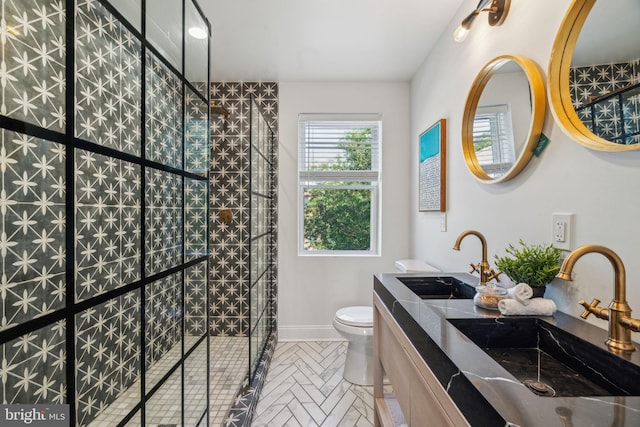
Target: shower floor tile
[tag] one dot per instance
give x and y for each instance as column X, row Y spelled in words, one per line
column 165, row 408
column 229, row 363
column 229, row 367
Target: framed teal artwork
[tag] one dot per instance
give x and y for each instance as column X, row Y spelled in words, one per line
column 432, row 168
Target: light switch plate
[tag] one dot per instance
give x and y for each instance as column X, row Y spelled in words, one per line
column 443, row 221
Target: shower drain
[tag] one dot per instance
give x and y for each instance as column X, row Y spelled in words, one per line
column 540, row 388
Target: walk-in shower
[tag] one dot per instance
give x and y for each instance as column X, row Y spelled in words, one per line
column 104, row 164
column 121, row 295
column 244, row 269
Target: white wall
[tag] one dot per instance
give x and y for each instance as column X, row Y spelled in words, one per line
column 602, row 189
column 311, row 289
column 511, row 89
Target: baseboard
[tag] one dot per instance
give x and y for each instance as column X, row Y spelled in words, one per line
column 309, row 333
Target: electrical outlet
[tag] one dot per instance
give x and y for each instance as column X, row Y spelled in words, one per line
column 443, row 221
column 562, row 230
column 558, row 231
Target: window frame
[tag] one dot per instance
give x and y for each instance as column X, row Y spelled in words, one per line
column 502, row 138
column 317, row 179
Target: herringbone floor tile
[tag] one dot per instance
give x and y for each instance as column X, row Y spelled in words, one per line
column 304, row 387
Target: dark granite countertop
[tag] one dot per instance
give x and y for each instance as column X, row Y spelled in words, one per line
column 486, row 393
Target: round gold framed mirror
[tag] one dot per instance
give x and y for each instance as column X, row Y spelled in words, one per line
column 503, row 118
column 593, row 91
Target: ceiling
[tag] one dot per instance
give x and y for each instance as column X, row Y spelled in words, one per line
column 324, row 40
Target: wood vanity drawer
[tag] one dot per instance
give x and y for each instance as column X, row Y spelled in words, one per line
column 425, row 405
column 422, row 399
column 396, row 365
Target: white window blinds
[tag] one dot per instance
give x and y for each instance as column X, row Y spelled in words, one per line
column 493, row 138
column 339, row 147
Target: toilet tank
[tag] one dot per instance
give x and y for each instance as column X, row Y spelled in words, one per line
column 414, row 266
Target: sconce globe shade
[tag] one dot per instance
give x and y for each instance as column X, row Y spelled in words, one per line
column 460, row 34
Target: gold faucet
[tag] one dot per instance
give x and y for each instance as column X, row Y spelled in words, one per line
column 619, row 313
column 486, row 272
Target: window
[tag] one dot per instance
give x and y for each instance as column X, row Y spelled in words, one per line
column 339, row 184
column 493, row 139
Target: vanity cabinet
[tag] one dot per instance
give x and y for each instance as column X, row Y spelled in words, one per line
column 417, row 397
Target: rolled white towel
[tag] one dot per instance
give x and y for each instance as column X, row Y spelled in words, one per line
column 536, row 307
column 521, row 292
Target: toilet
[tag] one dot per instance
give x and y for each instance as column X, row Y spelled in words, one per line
column 356, row 325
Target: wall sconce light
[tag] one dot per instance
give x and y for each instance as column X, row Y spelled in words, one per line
column 497, row 14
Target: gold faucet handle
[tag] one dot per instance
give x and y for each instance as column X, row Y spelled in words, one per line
column 589, row 307
column 475, row 268
column 593, row 308
column 630, row 323
column 492, row 274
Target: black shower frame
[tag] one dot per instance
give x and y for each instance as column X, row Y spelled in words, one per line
column 269, row 310
column 68, row 139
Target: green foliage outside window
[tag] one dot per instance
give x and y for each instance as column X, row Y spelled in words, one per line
column 340, row 219
column 337, row 219
column 482, row 141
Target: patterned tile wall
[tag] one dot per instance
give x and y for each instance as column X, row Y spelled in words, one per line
column 32, row 60
column 195, row 218
column 163, row 218
column 107, row 224
column 164, row 114
column 195, row 299
column 108, row 80
column 107, row 354
column 229, row 188
column 588, row 82
column 34, row 367
column 33, row 234
column 108, row 200
column 196, row 156
column 163, row 314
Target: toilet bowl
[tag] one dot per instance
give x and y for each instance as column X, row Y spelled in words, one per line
column 356, row 325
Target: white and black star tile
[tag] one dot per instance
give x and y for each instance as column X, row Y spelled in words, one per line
column 163, row 217
column 33, row 217
column 107, row 353
column 107, row 202
column 32, row 60
column 107, row 228
column 229, row 182
column 34, row 367
column 196, row 134
column 107, row 80
column 163, row 121
column 605, row 117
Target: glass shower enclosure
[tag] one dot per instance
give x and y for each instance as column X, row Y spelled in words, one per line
column 262, row 262
column 104, row 134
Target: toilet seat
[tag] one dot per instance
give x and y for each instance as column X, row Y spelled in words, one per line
column 358, row 316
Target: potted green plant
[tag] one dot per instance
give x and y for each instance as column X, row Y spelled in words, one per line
column 535, row 265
